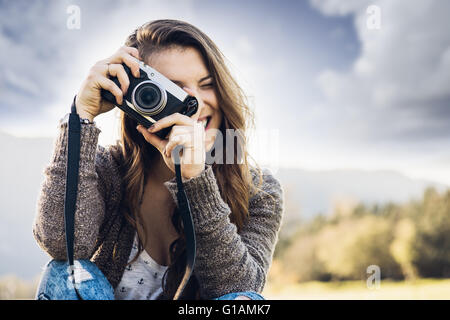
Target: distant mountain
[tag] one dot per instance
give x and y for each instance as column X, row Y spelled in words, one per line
column 22, row 163
column 307, row 193
column 314, row 192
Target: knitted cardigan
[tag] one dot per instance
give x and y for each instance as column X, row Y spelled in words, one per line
column 227, row 260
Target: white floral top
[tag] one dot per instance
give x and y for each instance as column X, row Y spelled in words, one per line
column 142, row 280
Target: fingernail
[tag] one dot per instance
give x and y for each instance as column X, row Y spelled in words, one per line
column 151, row 128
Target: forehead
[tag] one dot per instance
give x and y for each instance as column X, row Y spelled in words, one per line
column 178, row 63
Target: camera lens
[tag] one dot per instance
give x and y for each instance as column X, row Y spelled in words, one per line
column 149, row 98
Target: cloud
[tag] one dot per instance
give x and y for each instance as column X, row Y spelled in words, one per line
column 24, row 57
column 339, row 7
column 398, row 88
column 43, row 62
column 339, row 93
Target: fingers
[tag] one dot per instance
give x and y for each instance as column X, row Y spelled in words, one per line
column 117, row 70
column 127, row 55
column 132, row 64
column 109, row 85
column 186, row 136
column 101, row 71
column 173, row 119
column 132, row 50
column 184, row 140
column 191, row 137
column 153, row 139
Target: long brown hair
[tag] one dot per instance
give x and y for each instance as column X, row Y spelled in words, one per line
column 234, row 180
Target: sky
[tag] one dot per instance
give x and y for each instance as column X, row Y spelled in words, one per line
column 351, row 84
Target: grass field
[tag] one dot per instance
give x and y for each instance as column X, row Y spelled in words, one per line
column 13, row 288
column 356, row 290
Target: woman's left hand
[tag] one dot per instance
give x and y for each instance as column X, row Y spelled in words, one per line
column 186, row 131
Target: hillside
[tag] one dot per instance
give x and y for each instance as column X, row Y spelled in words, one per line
column 307, row 193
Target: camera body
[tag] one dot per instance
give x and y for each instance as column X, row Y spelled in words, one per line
column 152, row 97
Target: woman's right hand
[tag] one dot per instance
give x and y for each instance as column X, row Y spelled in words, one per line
column 89, row 102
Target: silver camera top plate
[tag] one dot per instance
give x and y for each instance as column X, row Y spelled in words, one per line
column 157, row 77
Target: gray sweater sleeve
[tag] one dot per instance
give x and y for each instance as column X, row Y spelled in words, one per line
column 228, row 261
column 48, row 226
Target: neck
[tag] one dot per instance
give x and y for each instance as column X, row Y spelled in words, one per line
column 159, row 172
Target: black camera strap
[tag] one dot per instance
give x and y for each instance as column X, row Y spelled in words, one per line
column 188, row 225
column 72, row 172
column 73, row 163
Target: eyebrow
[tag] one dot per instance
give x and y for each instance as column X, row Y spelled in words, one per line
column 179, row 83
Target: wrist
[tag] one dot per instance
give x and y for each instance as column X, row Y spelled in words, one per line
column 82, row 112
column 191, row 175
column 85, row 115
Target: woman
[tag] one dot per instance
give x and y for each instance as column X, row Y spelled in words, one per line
column 126, row 220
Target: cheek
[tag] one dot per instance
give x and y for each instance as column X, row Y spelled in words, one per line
column 216, row 121
column 212, row 101
column 210, row 97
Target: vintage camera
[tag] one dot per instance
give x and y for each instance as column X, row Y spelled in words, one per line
column 151, row 97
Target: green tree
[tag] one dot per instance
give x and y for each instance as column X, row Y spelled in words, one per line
column 431, row 250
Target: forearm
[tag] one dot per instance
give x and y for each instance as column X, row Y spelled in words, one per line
column 228, row 261
column 48, row 227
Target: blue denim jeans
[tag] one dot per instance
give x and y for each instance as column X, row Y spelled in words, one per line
column 248, row 294
column 91, row 283
column 56, row 285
